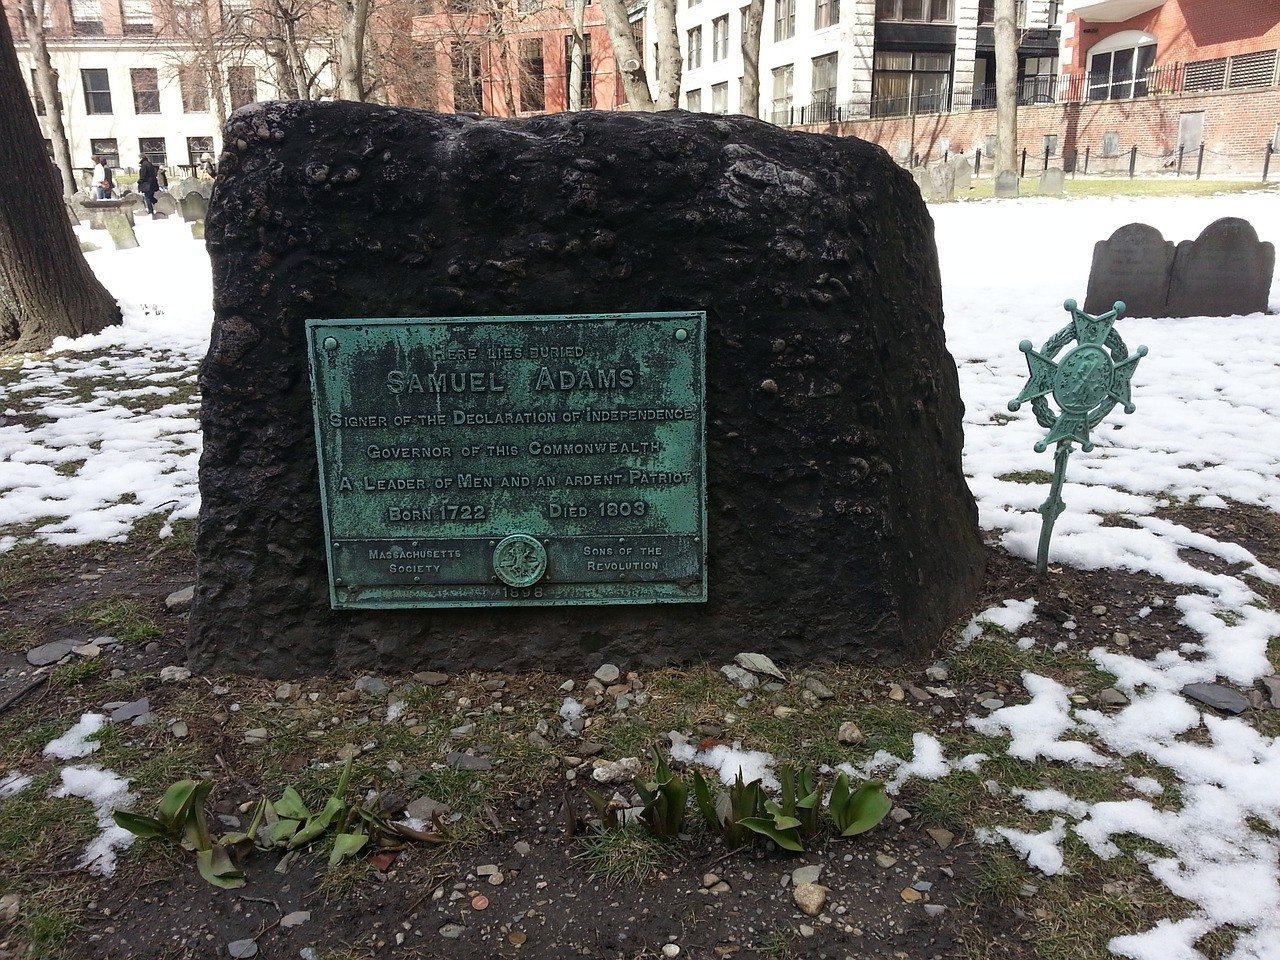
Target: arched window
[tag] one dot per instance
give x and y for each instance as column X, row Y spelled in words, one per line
column 1118, row 65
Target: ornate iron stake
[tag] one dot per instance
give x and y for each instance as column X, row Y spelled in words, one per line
column 1088, row 382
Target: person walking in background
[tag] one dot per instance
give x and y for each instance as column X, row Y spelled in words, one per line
column 207, row 171
column 148, row 184
column 101, row 179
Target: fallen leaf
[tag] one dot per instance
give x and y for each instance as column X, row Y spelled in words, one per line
column 383, row 861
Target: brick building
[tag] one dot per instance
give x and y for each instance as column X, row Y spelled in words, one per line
column 514, row 59
column 1147, row 82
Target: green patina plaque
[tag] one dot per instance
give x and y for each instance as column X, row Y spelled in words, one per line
column 512, row 461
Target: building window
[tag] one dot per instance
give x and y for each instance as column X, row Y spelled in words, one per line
column 1122, row 73
column 146, row 89
column 97, row 91
column 910, row 83
column 693, row 101
column 695, row 48
column 153, row 149
column 1055, row 13
column 533, row 76
column 198, row 147
column 586, row 89
column 784, row 20
column 922, row 11
column 987, row 13
column 720, row 98
column 1050, row 145
column 35, row 93
column 242, row 83
column 783, row 92
column 468, row 86
column 86, row 18
column 824, row 81
column 719, row 38
column 826, row 14
column 1111, row 144
column 194, row 89
column 137, row 18
column 108, row 150
column 237, row 14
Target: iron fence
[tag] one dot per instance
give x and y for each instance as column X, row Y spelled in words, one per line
column 1258, row 69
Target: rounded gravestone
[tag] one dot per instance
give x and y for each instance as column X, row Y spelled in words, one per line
column 839, row 524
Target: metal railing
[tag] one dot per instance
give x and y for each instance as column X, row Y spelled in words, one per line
column 1258, row 69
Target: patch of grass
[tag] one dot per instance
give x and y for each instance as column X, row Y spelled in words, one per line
column 125, row 618
column 76, row 673
column 950, row 802
column 622, row 855
column 69, row 468
column 1027, row 476
column 346, row 878
column 48, row 927
column 778, row 944
column 999, row 876
column 18, row 639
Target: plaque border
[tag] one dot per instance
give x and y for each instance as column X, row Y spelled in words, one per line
column 698, row 595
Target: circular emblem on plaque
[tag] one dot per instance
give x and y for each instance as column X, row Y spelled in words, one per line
column 1083, row 379
column 519, row 560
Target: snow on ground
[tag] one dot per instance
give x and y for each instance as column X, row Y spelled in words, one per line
column 109, row 448
column 1207, row 429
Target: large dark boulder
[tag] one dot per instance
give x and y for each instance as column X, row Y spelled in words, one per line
column 839, row 522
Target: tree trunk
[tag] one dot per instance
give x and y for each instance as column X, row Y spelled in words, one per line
column 752, row 25
column 1006, row 30
column 625, row 53
column 46, row 288
column 669, row 60
column 503, row 45
column 32, row 12
column 355, row 22
column 575, row 56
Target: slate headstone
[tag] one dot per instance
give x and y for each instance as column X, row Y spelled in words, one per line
column 197, row 230
column 183, row 187
column 1133, row 265
column 962, row 169
column 1007, row 184
column 120, row 228
column 98, row 210
column 194, row 207
column 923, row 181
column 1225, row 272
column 457, row 215
column 943, row 179
column 1052, row 182
column 166, row 204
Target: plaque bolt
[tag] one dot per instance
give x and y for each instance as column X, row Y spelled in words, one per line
column 417, row 579
column 337, row 546
column 339, row 582
column 682, row 335
column 331, row 343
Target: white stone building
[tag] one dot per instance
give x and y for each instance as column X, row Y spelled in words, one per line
column 823, row 60
column 129, row 87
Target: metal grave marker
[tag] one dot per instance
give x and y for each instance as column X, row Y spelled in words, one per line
column 512, row 461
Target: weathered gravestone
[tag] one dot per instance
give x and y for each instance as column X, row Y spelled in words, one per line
column 120, row 228
column 1052, row 182
column 838, row 521
column 98, row 210
column 184, row 186
column 166, row 204
column 962, row 170
column 194, row 206
column 1007, row 184
column 197, row 229
column 943, row 180
column 925, row 182
column 1224, row 272
column 1133, row 266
